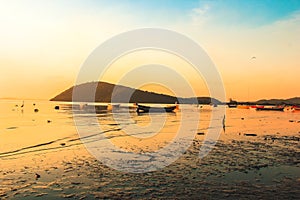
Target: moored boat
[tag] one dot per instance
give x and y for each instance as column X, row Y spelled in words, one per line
column 295, row 109
column 243, row 107
column 232, row 105
column 253, row 107
column 147, row 109
column 270, row 108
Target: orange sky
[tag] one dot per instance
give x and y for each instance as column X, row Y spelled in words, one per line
column 44, row 45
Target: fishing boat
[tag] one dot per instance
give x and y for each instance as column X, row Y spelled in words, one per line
column 295, row 109
column 243, row 106
column 232, row 105
column 270, row 108
column 146, row 109
column 256, row 106
column 253, row 107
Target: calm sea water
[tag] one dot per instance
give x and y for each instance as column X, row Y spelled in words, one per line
column 21, row 127
column 37, row 125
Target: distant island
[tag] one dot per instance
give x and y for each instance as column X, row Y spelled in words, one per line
column 105, row 90
column 290, row 101
column 104, row 94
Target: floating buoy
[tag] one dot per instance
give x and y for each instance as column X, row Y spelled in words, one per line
column 56, row 107
column 36, row 110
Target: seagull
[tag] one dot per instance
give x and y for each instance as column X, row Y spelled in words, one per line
column 253, row 57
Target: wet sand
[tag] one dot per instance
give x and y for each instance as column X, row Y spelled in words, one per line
column 263, row 165
column 237, row 169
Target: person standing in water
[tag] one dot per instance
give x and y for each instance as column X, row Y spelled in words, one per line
column 223, row 122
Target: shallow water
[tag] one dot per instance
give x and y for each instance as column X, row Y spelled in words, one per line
column 265, row 165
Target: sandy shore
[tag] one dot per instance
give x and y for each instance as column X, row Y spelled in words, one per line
column 264, row 168
column 255, row 158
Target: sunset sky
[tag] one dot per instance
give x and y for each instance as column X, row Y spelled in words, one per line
column 44, row 43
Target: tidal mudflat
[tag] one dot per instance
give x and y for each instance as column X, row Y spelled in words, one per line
column 42, row 157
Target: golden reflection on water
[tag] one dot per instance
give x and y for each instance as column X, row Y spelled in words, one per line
column 22, row 128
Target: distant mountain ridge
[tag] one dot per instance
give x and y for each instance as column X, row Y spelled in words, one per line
column 290, row 101
column 123, row 94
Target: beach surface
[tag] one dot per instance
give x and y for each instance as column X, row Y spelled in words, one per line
column 43, row 157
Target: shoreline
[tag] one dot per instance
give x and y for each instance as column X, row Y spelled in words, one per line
column 256, row 157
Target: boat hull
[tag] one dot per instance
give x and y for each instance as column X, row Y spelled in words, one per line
column 243, row 107
column 232, row 105
column 147, row 109
column 270, row 108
